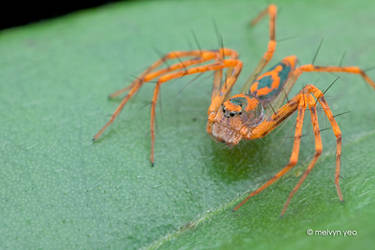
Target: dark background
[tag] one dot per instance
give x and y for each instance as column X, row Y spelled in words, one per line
column 17, row 13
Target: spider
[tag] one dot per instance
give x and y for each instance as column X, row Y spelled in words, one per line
column 248, row 115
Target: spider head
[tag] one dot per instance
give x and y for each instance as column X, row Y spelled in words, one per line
column 235, row 106
column 240, row 105
column 240, row 112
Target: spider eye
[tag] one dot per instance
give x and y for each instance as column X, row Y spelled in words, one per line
column 231, row 114
column 240, row 113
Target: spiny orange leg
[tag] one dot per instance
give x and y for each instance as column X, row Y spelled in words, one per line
column 148, row 75
column 206, row 55
column 216, row 100
column 218, row 76
column 127, row 88
column 318, row 149
column 169, row 56
column 336, row 130
column 348, row 69
column 318, row 142
column 271, row 11
column 305, row 96
column 287, row 109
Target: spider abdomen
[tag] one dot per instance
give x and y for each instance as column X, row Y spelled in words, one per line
column 269, row 85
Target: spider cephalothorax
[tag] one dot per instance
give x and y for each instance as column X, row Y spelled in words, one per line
column 238, row 115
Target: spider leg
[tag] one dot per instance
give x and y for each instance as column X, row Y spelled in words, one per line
column 148, row 75
column 318, row 149
column 226, row 63
column 203, row 54
column 284, row 111
column 271, row 10
column 313, row 68
column 220, row 96
column 169, row 56
column 336, row 130
column 347, row 69
column 305, row 97
column 318, row 142
column 218, row 75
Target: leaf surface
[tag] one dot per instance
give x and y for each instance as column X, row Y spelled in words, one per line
column 59, row 190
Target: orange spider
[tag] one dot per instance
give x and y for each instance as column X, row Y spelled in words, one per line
column 247, row 115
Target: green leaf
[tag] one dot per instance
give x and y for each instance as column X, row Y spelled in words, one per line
column 59, row 190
